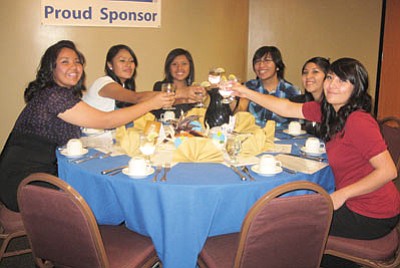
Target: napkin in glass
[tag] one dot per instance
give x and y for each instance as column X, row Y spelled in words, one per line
column 245, row 123
column 128, row 140
column 200, row 112
column 140, row 123
column 260, row 141
column 269, row 131
column 197, row 149
column 254, row 144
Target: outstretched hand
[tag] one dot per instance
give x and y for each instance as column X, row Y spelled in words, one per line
column 162, row 100
column 240, row 90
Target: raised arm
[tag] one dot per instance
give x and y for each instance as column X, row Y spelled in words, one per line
column 84, row 115
column 116, row 91
column 280, row 106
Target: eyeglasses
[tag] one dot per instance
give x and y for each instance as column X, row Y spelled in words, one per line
column 263, row 60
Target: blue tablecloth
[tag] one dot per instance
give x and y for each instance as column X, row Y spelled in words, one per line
column 197, row 201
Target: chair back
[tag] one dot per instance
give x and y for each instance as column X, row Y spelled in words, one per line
column 390, row 128
column 60, row 225
column 281, row 232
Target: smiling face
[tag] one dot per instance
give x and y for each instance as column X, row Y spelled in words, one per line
column 122, row 65
column 337, row 91
column 313, row 79
column 265, row 68
column 180, row 68
column 68, row 68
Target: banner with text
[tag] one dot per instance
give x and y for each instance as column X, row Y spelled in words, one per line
column 116, row 13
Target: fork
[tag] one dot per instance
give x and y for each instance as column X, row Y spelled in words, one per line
column 167, row 167
column 82, row 160
column 158, row 171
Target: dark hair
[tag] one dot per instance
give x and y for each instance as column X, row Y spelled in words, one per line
column 44, row 76
column 276, row 58
column 323, row 64
column 170, row 58
column 129, row 83
column 347, row 69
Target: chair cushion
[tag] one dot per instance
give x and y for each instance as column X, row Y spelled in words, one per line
column 379, row 249
column 125, row 248
column 220, row 251
column 10, row 220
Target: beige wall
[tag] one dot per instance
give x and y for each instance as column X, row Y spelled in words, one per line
column 302, row 29
column 216, row 36
column 206, row 32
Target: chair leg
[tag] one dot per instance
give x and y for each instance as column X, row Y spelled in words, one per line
column 7, row 239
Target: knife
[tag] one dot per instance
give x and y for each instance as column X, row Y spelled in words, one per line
column 315, row 158
column 108, row 171
column 242, row 177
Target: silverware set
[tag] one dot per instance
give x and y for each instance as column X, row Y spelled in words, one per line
column 158, row 171
column 243, row 176
column 167, row 168
column 99, row 155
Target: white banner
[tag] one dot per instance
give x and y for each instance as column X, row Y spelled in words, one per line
column 117, row 13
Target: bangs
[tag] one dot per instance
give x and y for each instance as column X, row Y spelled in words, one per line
column 344, row 71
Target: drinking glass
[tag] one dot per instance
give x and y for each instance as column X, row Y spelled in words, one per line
column 214, row 75
column 233, row 147
column 200, row 95
column 170, row 88
column 147, row 145
column 225, row 90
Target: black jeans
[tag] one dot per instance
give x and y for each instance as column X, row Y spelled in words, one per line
column 346, row 223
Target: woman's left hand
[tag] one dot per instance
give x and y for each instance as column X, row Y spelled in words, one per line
column 338, row 199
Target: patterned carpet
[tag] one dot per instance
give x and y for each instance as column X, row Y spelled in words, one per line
column 21, row 261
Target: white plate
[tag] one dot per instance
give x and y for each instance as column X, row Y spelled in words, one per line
column 65, row 153
column 302, row 132
column 92, row 131
column 321, row 151
column 256, row 169
column 141, row 176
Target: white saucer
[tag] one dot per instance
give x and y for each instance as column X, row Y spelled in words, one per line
column 92, row 131
column 321, row 151
column 65, row 153
column 256, row 169
column 141, row 176
column 302, row 132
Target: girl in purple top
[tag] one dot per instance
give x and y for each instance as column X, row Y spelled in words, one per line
column 54, row 114
column 366, row 202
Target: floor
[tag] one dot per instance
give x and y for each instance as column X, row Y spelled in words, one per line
column 22, row 261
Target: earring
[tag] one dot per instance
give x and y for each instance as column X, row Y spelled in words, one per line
column 277, row 69
column 110, row 68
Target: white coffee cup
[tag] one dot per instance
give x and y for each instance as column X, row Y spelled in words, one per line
column 294, row 127
column 168, row 115
column 268, row 164
column 74, row 147
column 314, row 145
column 138, row 166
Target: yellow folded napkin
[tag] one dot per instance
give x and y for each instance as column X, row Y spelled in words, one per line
column 201, row 112
column 269, row 131
column 198, row 149
column 128, row 140
column 140, row 122
column 260, row 141
column 245, row 122
column 254, row 144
